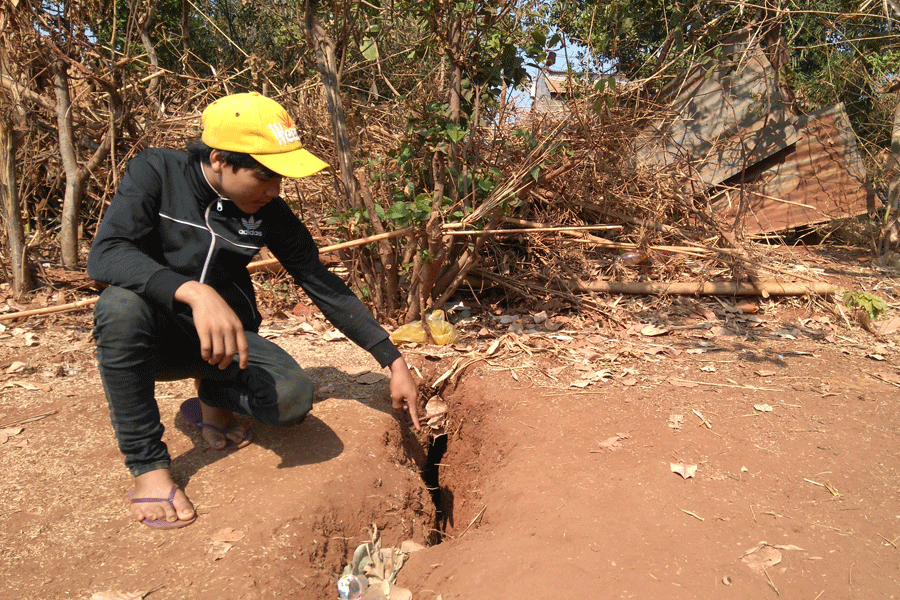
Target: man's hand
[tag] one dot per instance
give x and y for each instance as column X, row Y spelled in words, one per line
column 221, row 331
column 404, row 391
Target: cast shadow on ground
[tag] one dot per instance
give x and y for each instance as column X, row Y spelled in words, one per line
column 371, row 388
column 309, row 442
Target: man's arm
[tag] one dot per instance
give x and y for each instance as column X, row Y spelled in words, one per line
column 123, row 250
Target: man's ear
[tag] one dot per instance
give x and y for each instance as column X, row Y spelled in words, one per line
column 217, row 161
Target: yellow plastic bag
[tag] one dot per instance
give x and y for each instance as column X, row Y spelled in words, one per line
column 411, row 332
column 442, row 331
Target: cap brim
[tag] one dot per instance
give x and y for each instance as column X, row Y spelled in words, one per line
column 297, row 163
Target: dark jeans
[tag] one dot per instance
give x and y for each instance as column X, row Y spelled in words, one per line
column 140, row 342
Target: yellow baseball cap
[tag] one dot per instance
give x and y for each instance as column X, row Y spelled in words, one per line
column 258, row 126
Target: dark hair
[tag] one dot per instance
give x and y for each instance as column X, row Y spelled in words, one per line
column 237, row 160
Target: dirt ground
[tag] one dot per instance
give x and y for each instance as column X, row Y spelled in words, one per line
column 697, row 448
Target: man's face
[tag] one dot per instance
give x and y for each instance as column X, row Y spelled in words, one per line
column 249, row 189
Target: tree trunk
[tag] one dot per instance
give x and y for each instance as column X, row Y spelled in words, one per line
column 454, row 39
column 327, row 66
column 153, row 91
column 891, row 237
column 69, row 221
column 76, row 176
column 21, row 279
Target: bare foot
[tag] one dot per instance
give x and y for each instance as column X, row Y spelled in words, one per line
column 159, row 484
column 217, row 421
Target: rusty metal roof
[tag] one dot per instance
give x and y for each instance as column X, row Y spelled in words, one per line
column 725, row 114
column 818, row 179
column 726, row 124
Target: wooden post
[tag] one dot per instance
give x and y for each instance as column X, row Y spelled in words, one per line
column 22, row 282
column 327, row 66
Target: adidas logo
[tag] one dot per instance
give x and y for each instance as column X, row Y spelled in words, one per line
column 251, row 227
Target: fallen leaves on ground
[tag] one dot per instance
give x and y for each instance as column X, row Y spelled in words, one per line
column 765, row 555
column 9, row 432
column 613, row 443
column 686, row 471
column 119, row 595
column 221, row 542
column 370, row 377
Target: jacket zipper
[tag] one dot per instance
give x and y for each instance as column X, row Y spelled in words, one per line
column 209, row 254
column 212, row 241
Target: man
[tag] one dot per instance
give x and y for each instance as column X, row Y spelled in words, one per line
column 173, row 247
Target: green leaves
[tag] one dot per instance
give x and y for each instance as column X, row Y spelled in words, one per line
column 369, row 49
column 873, row 305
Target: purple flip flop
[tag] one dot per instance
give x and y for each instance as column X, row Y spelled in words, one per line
column 162, row 523
column 191, row 411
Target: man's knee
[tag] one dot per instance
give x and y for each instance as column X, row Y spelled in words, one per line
column 120, row 311
column 295, row 398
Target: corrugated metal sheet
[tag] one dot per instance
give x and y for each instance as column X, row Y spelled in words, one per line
column 818, row 179
column 548, row 93
column 725, row 116
column 728, row 124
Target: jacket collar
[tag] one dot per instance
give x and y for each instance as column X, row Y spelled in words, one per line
column 200, row 186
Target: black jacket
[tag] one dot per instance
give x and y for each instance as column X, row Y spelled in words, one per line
column 166, row 226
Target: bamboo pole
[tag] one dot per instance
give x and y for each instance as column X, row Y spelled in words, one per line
column 49, row 310
column 708, row 288
column 252, row 267
column 534, row 230
column 261, row 265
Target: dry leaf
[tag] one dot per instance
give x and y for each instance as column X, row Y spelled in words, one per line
column 628, row 381
column 888, row 326
column 119, row 595
column 375, row 592
column 655, row 350
column 683, row 383
column 228, row 534
column 653, row 330
column 217, row 550
column 370, row 377
column 582, row 383
column 761, row 559
column 409, row 546
column 604, row 375
column 696, row 350
column 9, row 432
column 765, row 555
column 613, row 442
column 333, row 335
column 399, row 593
column 763, row 407
column 763, row 373
column 28, row 385
column 708, row 369
column 435, row 407
column 686, row 471
column 875, row 357
column 16, row 367
column 675, row 421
